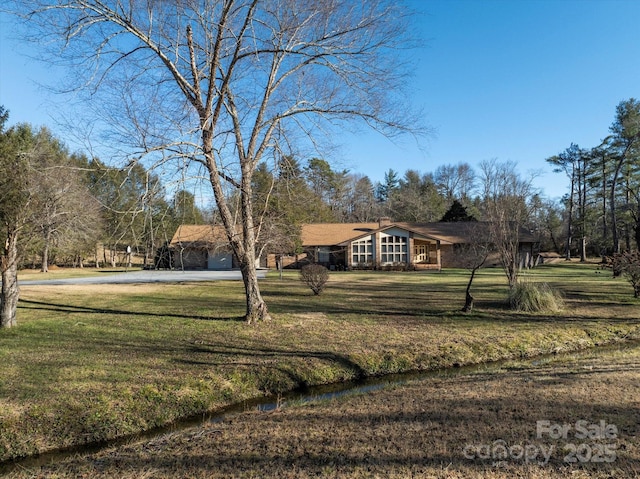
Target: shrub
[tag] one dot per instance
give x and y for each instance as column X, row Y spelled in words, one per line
column 315, row 276
column 628, row 263
column 534, row 297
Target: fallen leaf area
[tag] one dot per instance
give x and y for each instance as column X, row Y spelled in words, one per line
column 574, row 416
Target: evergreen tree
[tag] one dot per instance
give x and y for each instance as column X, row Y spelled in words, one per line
column 457, row 212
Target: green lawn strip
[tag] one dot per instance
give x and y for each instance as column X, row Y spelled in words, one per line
column 92, row 363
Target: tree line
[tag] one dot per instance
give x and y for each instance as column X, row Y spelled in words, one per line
column 56, row 206
column 600, row 215
column 71, row 202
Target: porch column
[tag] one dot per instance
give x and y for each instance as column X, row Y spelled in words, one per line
column 438, row 256
column 410, row 252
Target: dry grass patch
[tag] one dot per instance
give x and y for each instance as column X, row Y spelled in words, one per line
column 93, row 363
column 432, row 428
column 60, row 273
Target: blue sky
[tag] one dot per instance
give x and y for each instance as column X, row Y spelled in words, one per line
column 515, row 80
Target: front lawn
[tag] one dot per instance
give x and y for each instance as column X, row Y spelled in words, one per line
column 91, row 363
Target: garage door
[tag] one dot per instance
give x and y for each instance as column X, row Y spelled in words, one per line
column 220, row 261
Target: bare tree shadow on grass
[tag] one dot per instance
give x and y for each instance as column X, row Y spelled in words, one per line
column 68, row 308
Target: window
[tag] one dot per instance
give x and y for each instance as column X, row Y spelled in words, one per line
column 324, row 254
column 393, row 249
column 362, row 251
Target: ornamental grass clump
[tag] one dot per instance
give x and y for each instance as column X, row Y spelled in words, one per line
column 532, row 297
column 315, row 276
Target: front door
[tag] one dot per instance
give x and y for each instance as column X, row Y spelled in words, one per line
column 420, row 253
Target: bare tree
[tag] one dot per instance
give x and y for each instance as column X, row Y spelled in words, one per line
column 473, row 256
column 506, row 198
column 17, row 147
column 64, row 210
column 455, row 181
column 233, row 79
column 362, row 203
column 628, row 263
column 78, row 240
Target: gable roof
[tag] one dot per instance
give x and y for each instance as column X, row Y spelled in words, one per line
column 198, row 235
column 332, row 234
column 456, row 232
column 329, row 234
column 403, row 226
column 460, row 232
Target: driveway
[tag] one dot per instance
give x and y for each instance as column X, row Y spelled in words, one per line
column 147, row 277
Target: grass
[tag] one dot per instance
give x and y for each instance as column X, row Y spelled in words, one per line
column 471, row 426
column 534, row 297
column 92, row 363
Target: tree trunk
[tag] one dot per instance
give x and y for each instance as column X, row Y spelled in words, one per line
column 612, row 201
column 10, row 290
column 605, row 231
column 513, row 276
column 636, row 228
column 468, row 304
column 256, row 307
column 243, row 246
column 570, row 221
column 627, row 207
column 582, row 208
column 583, row 249
column 45, row 253
column 554, row 240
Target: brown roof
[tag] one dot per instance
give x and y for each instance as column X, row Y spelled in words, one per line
column 199, row 235
column 420, row 234
column 328, row 234
column 459, row 232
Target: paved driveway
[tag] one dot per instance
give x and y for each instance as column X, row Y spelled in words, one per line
column 147, row 277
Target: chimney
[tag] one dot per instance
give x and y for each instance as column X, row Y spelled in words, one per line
column 384, row 221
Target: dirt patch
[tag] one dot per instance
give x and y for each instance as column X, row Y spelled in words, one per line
column 112, row 290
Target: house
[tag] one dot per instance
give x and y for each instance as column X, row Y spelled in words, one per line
column 375, row 245
column 201, row 247
column 389, row 245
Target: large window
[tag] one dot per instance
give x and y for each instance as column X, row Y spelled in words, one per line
column 362, row 252
column 393, row 249
column 324, row 254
